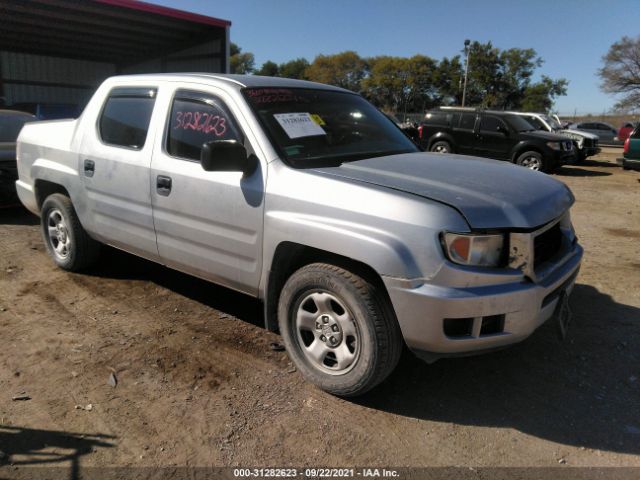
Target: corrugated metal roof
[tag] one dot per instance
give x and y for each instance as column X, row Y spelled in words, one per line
column 122, row 32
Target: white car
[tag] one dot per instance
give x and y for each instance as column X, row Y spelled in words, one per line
column 586, row 144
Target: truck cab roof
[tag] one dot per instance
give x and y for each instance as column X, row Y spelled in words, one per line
column 234, row 80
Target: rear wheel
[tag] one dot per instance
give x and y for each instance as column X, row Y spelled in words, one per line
column 338, row 329
column 533, row 161
column 441, row 147
column 67, row 242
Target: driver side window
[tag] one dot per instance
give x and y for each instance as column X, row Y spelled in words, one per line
column 197, row 118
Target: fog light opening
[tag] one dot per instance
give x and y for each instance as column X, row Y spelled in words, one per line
column 458, row 327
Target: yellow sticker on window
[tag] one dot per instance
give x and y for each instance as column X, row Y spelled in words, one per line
column 317, row 118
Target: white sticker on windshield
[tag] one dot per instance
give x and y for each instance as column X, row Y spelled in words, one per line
column 298, row 125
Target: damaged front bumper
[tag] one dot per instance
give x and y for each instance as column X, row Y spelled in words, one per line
column 443, row 321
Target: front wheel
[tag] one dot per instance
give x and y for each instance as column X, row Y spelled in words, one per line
column 532, row 161
column 441, row 147
column 338, row 329
column 67, row 242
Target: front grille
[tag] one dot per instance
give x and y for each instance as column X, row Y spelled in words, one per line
column 547, row 245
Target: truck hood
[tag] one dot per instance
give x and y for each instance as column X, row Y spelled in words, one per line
column 488, row 193
column 580, row 133
column 541, row 135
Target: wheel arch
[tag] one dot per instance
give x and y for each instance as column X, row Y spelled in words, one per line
column 527, row 147
column 44, row 188
column 442, row 137
column 290, row 256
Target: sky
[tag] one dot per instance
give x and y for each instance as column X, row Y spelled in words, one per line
column 571, row 36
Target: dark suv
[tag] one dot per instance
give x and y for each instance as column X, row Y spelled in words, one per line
column 494, row 134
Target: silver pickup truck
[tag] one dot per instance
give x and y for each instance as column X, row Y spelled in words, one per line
column 308, row 198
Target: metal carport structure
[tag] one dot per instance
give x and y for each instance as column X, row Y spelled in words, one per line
column 58, row 51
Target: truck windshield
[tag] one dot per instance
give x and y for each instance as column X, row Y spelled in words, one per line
column 519, row 124
column 536, row 122
column 552, row 122
column 321, row 127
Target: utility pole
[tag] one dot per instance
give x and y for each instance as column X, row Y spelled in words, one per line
column 467, row 51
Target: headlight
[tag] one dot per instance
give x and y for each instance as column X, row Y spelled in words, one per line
column 554, row 145
column 475, row 250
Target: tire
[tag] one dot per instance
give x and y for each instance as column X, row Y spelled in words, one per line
column 339, row 329
column 67, row 242
column 441, row 147
column 533, row 161
column 581, row 157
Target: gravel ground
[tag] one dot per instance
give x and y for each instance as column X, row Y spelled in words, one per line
column 197, row 384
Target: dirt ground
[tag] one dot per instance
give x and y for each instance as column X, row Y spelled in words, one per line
column 198, row 384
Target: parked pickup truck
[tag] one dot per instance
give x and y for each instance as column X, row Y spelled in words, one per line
column 309, row 198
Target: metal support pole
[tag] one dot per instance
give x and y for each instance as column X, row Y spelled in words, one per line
column 466, row 70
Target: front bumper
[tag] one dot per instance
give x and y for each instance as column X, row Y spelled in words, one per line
column 629, row 163
column 564, row 157
column 27, row 196
column 590, row 151
column 522, row 306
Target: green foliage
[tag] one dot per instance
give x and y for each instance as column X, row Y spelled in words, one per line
column 344, row 70
column 291, row 69
column 539, row 96
column 268, row 69
column 240, row 62
column 294, row 69
column 501, row 79
column 620, row 73
column 447, row 82
column 399, row 83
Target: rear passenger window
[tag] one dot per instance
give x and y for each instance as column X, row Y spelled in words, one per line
column 437, row 118
column 125, row 118
column 636, row 132
column 467, row 121
column 198, row 118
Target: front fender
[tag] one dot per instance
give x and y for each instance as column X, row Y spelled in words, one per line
column 381, row 250
column 522, row 147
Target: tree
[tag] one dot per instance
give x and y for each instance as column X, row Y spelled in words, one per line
column 503, row 79
column 240, row 62
column 344, row 70
column 399, row 83
column 620, row 73
column 294, row 68
column 447, row 79
column 268, row 69
column 539, row 96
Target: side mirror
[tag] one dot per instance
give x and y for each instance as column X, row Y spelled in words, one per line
column 226, row 156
